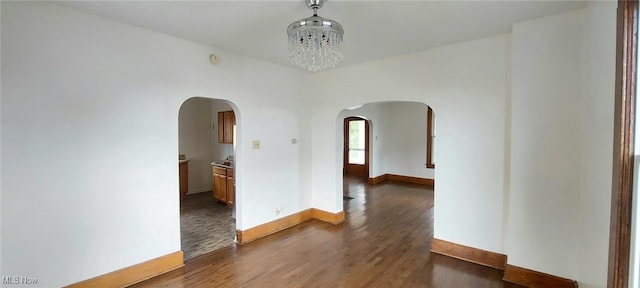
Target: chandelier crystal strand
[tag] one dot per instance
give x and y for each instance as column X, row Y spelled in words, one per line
column 314, row 42
column 315, row 49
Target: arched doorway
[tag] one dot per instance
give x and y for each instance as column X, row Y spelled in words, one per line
column 206, row 144
column 400, row 140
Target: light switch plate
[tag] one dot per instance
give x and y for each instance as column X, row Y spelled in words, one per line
column 255, row 144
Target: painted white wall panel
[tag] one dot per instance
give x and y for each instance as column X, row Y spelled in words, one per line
column 407, row 137
column 523, row 139
column 546, row 151
column 90, row 133
column 466, row 84
column 195, row 142
column 597, row 144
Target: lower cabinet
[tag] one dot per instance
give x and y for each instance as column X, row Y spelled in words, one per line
column 230, row 188
column 183, row 167
column 223, row 190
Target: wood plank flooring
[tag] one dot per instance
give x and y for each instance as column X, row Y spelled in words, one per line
column 384, row 242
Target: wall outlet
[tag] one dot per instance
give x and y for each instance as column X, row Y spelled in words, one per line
column 255, row 144
column 277, row 210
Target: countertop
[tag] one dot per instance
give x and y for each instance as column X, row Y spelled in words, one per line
column 221, row 164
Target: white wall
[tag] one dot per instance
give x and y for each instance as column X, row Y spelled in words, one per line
column 99, row 113
column 90, row 140
column 1, row 144
column 634, row 260
column 195, row 141
column 407, row 138
column 597, row 142
column 563, row 71
column 466, row 84
column 553, row 196
column 546, row 144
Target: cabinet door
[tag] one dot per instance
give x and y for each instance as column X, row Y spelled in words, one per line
column 184, row 179
column 222, row 180
column 230, row 191
column 221, row 127
column 219, row 183
column 229, row 121
column 213, row 185
column 216, row 186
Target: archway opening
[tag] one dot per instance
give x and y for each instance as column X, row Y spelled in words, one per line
column 206, row 147
column 401, row 138
column 398, row 147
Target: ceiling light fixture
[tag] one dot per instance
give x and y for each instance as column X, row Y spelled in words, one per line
column 314, row 42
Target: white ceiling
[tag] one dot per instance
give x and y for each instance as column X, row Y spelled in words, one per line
column 373, row 29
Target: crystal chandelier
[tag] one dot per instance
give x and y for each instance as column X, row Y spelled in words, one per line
column 314, row 42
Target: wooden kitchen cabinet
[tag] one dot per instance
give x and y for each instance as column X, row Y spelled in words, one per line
column 183, row 168
column 223, row 189
column 226, row 121
column 220, row 127
column 220, row 184
column 230, row 188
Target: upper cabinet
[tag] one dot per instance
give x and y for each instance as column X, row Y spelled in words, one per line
column 226, row 120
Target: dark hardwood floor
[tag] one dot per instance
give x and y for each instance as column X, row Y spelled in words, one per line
column 384, row 242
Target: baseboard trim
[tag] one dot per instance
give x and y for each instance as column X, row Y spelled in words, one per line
column 530, row 278
column 469, row 254
column 377, row 179
column 324, row 216
column 251, row 234
column 402, row 178
column 513, row 274
column 266, row 229
column 136, row 273
column 410, row 179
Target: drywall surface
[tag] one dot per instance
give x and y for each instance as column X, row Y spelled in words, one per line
column 99, row 113
column 195, row 142
column 407, row 140
column 563, row 73
column 466, row 85
column 90, row 140
column 634, row 260
column 546, row 138
column 597, row 144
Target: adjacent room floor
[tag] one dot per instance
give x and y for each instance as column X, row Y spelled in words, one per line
column 384, row 242
column 205, row 225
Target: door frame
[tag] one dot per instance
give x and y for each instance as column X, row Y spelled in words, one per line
column 345, row 144
column 623, row 144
